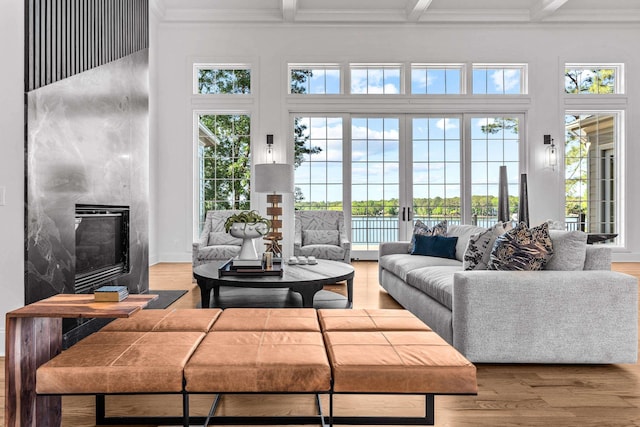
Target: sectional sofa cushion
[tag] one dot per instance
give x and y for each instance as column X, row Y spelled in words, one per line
column 401, row 264
column 437, row 246
column 437, row 282
column 569, row 250
column 522, row 248
column 463, row 233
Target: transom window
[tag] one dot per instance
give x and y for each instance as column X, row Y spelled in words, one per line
column 376, row 79
column 436, row 79
column 314, row 79
column 231, row 79
column 603, row 79
column 499, row 79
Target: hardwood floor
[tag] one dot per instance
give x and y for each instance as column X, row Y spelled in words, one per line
column 509, row 395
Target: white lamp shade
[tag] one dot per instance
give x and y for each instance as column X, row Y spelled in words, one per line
column 274, row 178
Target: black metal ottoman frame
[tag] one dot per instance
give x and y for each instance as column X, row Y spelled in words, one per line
column 321, row 419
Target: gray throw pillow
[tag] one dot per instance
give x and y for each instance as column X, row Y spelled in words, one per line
column 422, row 229
column 569, row 250
column 522, row 248
column 463, row 232
column 478, row 251
column 320, row 237
column 223, row 238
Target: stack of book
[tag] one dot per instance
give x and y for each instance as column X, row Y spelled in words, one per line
column 110, row 293
column 246, row 263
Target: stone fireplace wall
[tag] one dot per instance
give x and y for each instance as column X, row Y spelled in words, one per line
column 87, row 143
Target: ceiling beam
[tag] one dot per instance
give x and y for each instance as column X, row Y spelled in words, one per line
column 416, row 8
column 544, row 8
column 289, row 8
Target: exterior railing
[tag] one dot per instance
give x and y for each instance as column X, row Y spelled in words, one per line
column 385, row 229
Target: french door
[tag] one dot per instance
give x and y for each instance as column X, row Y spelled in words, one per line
column 399, row 168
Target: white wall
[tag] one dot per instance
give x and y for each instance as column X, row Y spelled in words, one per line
column 544, row 47
column 11, row 160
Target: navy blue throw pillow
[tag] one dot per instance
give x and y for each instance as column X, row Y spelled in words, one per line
column 438, row 246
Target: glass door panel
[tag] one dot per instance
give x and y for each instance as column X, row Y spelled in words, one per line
column 436, row 176
column 375, row 182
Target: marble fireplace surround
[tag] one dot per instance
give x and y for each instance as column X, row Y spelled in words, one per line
column 87, row 143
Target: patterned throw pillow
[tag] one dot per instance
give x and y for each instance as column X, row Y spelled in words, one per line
column 478, row 251
column 422, row 229
column 522, row 248
column 320, row 237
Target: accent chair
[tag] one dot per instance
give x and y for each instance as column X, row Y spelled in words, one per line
column 321, row 234
column 215, row 244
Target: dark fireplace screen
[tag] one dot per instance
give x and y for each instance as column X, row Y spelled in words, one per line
column 102, row 245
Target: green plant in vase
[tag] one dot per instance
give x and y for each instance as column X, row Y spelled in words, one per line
column 247, row 225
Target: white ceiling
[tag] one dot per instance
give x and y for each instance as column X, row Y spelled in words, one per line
column 398, row 11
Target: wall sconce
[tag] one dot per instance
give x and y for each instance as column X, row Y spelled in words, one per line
column 552, row 152
column 270, row 149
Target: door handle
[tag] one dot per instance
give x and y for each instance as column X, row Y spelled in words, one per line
column 409, row 214
column 403, row 214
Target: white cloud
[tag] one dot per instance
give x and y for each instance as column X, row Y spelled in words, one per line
column 506, row 80
column 447, row 124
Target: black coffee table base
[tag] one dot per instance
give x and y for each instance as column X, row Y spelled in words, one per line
column 233, row 297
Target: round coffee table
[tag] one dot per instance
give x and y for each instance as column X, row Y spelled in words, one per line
column 307, row 280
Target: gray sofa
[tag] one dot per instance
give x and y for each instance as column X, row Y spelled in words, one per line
column 587, row 316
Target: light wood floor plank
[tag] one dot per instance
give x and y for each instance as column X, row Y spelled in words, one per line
column 509, row 395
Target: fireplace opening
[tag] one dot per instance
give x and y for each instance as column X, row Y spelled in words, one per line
column 102, row 245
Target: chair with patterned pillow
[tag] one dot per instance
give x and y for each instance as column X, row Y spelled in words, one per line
column 215, row 244
column 321, row 234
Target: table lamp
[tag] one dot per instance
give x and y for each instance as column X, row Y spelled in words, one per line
column 274, row 178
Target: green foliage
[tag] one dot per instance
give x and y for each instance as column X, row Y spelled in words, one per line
column 482, row 206
column 598, row 81
column 500, row 124
column 224, row 81
column 226, row 163
column 248, row 217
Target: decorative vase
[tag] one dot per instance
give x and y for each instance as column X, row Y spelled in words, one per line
column 503, row 196
column 523, row 209
column 248, row 233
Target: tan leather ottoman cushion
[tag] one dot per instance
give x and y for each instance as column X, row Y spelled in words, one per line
column 268, row 319
column 167, row 320
column 397, row 362
column 259, row 361
column 370, row 320
column 120, row 362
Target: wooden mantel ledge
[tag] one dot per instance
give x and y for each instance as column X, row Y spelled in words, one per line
column 83, row 306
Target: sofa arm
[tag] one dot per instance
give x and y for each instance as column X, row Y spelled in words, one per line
column 598, row 257
column 388, row 248
column 546, row 316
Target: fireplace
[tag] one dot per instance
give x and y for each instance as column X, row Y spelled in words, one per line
column 101, row 245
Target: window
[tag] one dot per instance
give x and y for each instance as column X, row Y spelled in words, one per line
column 222, row 79
column 436, row 79
column 376, row 79
column 591, row 144
column 223, row 162
column 495, row 142
column 593, row 79
column 497, row 79
column 436, row 169
column 314, row 79
column 318, row 173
